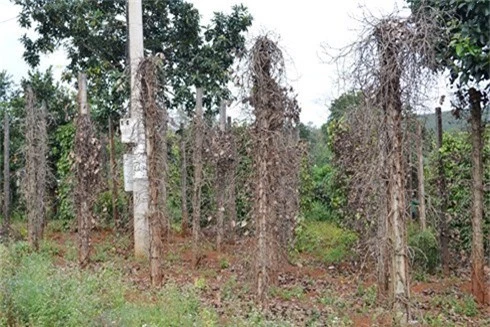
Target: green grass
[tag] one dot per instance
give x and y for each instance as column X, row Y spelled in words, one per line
column 325, row 241
column 34, row 292
column 287, row 294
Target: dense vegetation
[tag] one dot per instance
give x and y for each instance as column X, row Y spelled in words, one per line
column 298, row 205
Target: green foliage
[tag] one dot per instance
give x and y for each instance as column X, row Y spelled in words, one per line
column 223, row 263
column 325, row 241
column 228, row 290
column 456, row 155
column 451, row 303
column 200, row 283
column 344, row 104
column 244, row 172
column 463, row 45
column 59, row 99
column 174, row 196
column 103, row 206
column 36, row 293
column 368, row 294
column 6, row 84
column 287, row 294
column 322, row 192
column 316, row 140
column 64, row 137
column 323, row 184
column 424, row 250
column 95, row 37
column 467, row 306
column 60, row 105
column 329, row 192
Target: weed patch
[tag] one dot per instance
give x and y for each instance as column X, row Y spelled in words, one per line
column 325, row 241
column 36, row 293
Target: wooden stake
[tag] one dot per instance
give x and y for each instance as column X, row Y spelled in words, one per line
column 6, row 174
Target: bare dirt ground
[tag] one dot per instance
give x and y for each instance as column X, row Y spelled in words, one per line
column 311, row 294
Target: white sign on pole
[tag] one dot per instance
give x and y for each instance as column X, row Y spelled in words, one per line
column 128, row 130
column 128, row 172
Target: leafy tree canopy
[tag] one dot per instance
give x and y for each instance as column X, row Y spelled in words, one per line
column 465, row 49
column 94, row 35
column 5, row 86
column 343, row 104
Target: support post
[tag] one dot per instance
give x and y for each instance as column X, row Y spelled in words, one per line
column 220, row 179
column 183, row 181
column 84, row 214
column 420, row 174
column 140, row 165
column 6, row 174
column 113, row 172
column 197, row 163
column 443, row 230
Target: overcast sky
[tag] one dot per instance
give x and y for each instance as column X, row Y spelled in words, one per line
column 302, row 27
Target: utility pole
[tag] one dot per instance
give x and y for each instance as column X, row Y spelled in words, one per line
column 132, row 131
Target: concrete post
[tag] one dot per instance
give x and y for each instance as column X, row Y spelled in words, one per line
column 140, row 165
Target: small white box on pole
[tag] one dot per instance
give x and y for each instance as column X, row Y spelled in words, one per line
column 128, row 130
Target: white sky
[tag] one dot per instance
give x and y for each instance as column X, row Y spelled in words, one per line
column 302, row 26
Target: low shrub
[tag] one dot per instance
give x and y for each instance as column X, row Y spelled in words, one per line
column 325, row 241
column 34, row 292
column 424, row 249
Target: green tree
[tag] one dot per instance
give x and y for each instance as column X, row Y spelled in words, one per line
column 5, row 86
column 463, row 49
column 324, row 181
column 5, row 94
column 344, row 104
column 94, row 35
column 456, row 155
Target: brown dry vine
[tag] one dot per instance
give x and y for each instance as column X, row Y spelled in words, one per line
column 276, row 160
column 155, row 121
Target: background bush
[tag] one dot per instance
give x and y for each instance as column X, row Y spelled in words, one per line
column 325, row 241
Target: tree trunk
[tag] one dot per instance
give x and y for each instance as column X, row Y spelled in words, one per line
column 42, row 169
column 443, row 229
column 262, row 213
column 6, row 175
column 197, row 162
column 410, row 173
column 114, row 183
column 30, row 186
column 183, row 182
column 397, row 216
column 155, row 122
column 383, row 262
column 84, row 217
column 420, row 175
column 36, row 139
column 86, row 164
column 397, row 219
column 477, row 257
